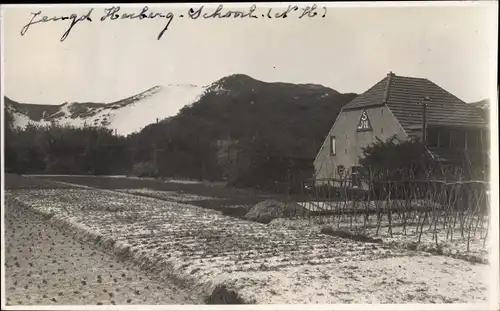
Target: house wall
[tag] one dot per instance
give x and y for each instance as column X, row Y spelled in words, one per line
column 349, row 141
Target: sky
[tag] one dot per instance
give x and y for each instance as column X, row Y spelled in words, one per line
column 349, row 50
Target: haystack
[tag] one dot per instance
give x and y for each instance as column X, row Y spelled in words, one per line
column 268, row 210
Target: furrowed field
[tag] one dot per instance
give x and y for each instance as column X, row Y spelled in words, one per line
column 184, row 234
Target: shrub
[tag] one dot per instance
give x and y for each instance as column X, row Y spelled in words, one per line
column 144, row 169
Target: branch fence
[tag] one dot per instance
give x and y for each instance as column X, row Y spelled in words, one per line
column 388, row 200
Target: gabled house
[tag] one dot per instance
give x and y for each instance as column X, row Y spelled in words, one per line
column 395, row 106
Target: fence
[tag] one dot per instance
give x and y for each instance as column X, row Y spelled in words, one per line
column 409, row 205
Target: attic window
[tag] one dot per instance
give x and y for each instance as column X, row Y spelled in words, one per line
column 332, row 145
column 364, row 123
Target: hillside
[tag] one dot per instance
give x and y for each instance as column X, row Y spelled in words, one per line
column 237, row 107
column 244, row 126
column 238, row 97
column 246, row 131
column 296, row 115
column 125, row 116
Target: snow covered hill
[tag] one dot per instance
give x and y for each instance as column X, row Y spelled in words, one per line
column 125, row 116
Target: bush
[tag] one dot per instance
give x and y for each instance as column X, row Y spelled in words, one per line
column 144, row 169
column 394, row 159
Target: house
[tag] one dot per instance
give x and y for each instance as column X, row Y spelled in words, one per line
column 395, row 106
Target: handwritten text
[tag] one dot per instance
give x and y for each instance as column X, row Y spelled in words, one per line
column 115, row 13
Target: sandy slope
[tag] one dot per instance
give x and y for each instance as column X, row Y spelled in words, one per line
column 166, row 102
column 157, row 103
column 45, row 266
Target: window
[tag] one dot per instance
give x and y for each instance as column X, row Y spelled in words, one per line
column 340, row 170
column 332, row 145
column 444, row 139
column 485, row 140
column 457, row 140
column 432, row 137
column 473, row 140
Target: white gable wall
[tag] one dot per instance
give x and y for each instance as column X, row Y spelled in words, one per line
column 349, row 141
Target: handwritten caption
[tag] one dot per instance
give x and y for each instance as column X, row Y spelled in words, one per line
column 115, row 13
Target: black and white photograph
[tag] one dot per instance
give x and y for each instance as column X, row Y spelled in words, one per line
column 333, row 155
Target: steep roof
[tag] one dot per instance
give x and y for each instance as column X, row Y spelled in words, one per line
column 402, row 95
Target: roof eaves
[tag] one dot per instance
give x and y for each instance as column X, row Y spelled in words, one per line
column 362, row 107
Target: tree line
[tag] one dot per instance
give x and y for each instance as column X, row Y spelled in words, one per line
column 187, row 147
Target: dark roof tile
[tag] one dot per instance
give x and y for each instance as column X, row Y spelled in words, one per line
column 374, row 96
column 403, row 96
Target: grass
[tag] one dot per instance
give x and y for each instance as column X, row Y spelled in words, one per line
column 230, row 201
column 13, row 181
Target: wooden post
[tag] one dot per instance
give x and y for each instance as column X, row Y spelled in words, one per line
column 424, row 124
column 155, row 159
column 424, row 134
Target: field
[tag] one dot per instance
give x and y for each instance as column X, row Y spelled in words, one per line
column 408, row 236
column 47, row 266
column 229, row 260
column 229, row 201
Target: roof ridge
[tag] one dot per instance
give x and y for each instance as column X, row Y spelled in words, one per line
column 409, row 77
column 387, row 86
column 449, row 93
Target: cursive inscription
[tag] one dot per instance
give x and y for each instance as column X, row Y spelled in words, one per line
column 220, row 13
column 115, row 13
column 74, row 18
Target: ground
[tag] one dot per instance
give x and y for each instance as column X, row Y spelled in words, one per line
column 205, row 250
column 47, row 266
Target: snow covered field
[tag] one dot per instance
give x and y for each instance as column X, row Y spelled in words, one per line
column 165, row 195
column 260, row 263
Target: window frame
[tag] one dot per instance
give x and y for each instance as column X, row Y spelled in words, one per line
column 333, row 145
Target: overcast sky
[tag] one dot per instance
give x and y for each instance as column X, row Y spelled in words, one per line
column 349, row 50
